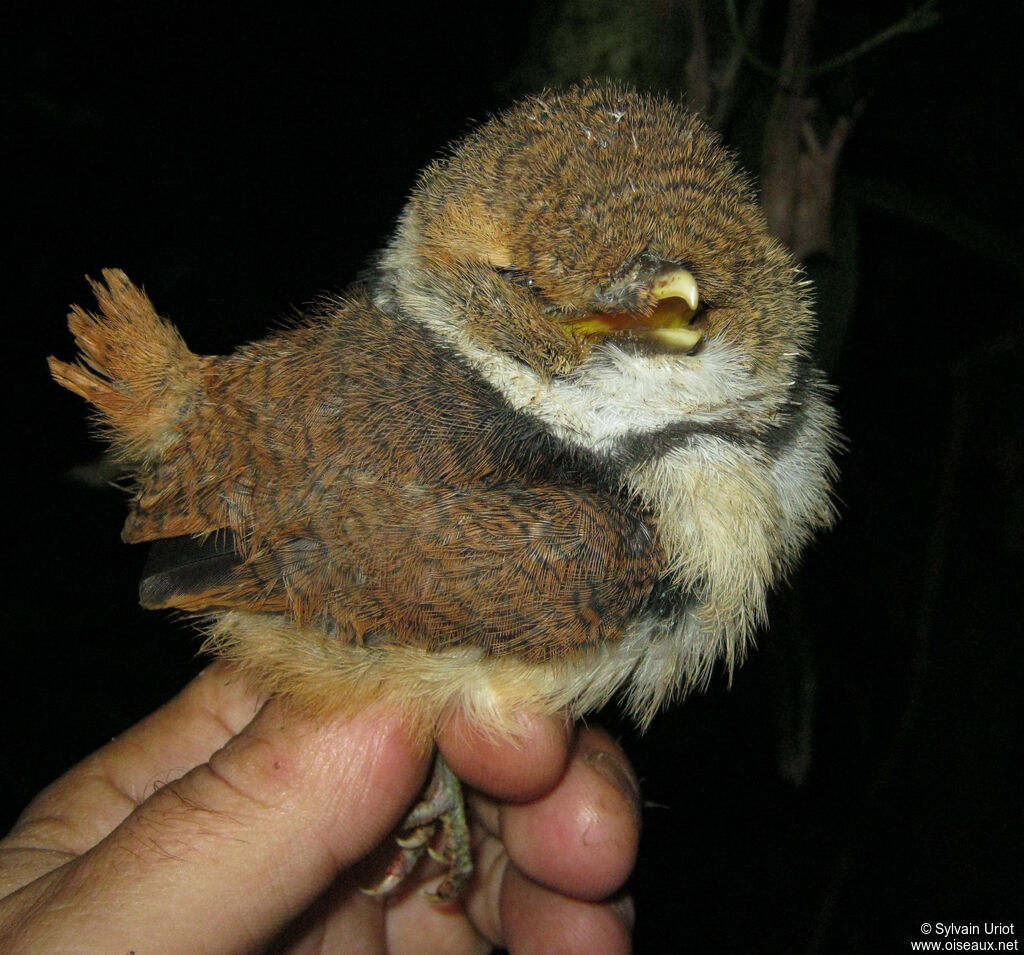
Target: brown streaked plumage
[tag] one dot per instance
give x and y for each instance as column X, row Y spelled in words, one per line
column 559, row 445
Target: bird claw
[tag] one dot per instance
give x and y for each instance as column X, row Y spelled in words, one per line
column 417, row 838
column 443, row 809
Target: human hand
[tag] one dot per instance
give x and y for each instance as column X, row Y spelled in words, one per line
column 215, row 825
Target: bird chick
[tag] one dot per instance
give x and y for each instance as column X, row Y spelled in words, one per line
column 557, row 446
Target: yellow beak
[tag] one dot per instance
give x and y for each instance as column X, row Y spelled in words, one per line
column 668, row 323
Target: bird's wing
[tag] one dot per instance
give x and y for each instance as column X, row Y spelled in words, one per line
column 533, row 571
column 342, row 473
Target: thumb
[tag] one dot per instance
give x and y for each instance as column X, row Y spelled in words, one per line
column 239, row 846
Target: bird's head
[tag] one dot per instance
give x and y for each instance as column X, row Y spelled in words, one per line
column 595, row 222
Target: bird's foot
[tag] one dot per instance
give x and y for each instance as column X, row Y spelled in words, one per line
column 442, row 807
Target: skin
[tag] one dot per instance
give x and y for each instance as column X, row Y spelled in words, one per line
column 218, row 824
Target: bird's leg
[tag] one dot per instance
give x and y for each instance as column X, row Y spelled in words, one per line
column 442, row 806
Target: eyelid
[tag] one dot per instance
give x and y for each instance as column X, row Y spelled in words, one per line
column 520, row 278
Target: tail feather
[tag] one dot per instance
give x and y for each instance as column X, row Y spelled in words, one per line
column 134, row 368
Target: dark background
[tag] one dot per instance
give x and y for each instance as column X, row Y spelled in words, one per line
column 238, row 165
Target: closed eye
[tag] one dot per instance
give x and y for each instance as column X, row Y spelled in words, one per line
column 522, row 279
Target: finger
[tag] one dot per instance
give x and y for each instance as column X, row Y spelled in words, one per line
column 522, row 768
column 517, row 769
column 87, row 802
column 78, row 810
column 507, row 909
column 416, row 924
column 559, row 856
column 580, row 839
column 535, row 919
column 242, row 843
column 343, row 919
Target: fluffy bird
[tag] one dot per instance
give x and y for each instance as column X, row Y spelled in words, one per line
column 557, row 444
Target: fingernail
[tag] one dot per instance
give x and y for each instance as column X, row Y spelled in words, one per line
column 620, row 774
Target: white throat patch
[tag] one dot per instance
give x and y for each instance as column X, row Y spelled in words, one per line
column 616, row 393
